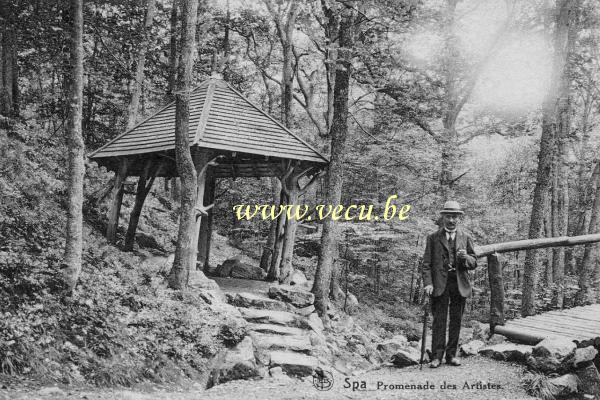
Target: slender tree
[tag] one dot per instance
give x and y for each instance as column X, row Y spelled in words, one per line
column 138, row 79
column 74, row 242
column 185, row 250
column 339, row 131
column 553, row 119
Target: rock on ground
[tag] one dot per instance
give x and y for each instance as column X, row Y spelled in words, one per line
column 580, row 357
column 236, row 363
column 293, row 363
column 507, row 352
column 292, row 294
column 564, row 385
column 406, row 358
column 471, row 348
column 589, row 380
column 554, row 347
column 251, row 300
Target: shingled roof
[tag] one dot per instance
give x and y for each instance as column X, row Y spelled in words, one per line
column 220, row 118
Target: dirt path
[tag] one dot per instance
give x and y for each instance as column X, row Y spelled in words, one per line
column 477, row 369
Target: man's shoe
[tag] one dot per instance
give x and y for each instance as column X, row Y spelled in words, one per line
column 453, row 361
column 435, row 363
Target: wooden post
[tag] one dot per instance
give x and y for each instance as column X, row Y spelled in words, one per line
column 147, row 177
column 278, row 245
column 206, row 223
column 201, row 159
column 496, row 291
column 289, row 234
column 116, row 200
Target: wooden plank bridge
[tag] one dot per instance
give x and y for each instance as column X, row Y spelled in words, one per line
column 578, row 323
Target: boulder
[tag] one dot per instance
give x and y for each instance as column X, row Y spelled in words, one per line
column 406, row 357
column 507, row 352
column 224, row 270
column 589, row 380
column 495, row 339
column 292, row 294
column 276, row 372
column 298, row 278
column 471, row 348
column 480, row 330
column 545, row 365
column 250, row 300
column 315, row 323
column 274, row 317
column 564, row 385
column 305, row 311
column 557, row 347
column 236, row 363
column 275, row 329
column 247, row 271
column 392, row 346
column 291, row 363
column 580, row 357
column 299, row 343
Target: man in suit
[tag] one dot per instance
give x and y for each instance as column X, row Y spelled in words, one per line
column 449, row 255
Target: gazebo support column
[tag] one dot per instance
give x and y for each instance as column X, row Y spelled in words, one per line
column 151, row 169
column 201, row 161
column 289, row 234
column 293, row 191
column 206, row 223
column 116, row 201
column 273, row 273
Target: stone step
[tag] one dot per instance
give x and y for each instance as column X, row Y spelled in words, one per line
column 276, row 329
column 274, row 317
column 296, row 343
column 293, row 364
column 251, row 300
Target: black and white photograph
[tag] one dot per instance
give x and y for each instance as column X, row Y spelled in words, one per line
column 299, row 199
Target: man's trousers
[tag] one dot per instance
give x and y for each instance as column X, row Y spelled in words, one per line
column 451, row 299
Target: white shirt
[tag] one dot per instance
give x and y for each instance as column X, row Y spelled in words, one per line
column 450, row 235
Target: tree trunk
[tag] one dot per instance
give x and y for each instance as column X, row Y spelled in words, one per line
column 339, row 131
column 74, row 240
column 172, row 52
column 289, row 236
column 590, row 254
column 144, row 185
column 273, row 273
column 138, row 79
column 207, row 223
column 116, row 200
column 186, row 245
column 9, row 72
column 268, row 250
column 551, row 117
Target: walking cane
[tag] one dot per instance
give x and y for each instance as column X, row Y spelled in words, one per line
column 424, row 336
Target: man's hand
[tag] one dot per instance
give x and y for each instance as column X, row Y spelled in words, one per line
column 428, row 290
column 461, row 254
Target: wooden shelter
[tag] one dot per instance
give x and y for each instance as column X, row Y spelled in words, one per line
column 222, row 123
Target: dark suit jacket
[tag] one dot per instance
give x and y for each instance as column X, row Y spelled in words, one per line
column 436, row 257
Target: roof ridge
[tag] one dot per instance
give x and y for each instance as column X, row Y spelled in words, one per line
column 205, row 112
column 277, row 122
column 169, row 104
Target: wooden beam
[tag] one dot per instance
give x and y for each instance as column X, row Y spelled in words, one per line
column 206, row 223
column 201, row 160
column 496, row 291
column 561, row 241
column 116, row 201
column 151, row 170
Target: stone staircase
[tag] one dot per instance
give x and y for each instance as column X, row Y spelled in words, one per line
column 283, row 335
